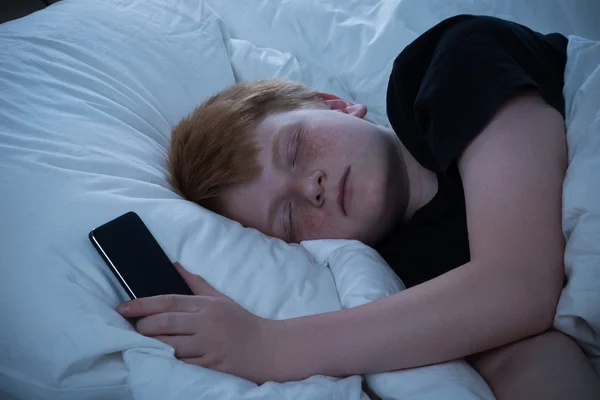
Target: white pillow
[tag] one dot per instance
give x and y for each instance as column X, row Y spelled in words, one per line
column 90, row 91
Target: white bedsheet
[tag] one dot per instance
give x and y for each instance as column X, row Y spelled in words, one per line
column 578, row 312
column 88, row 93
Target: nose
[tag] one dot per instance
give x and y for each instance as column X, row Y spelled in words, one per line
column 312, row 188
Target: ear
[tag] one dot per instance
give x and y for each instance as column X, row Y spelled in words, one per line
column 345, row 106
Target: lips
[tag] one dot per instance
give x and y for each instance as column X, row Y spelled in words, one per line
column 342, row 191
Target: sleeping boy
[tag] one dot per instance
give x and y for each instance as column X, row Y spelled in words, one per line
column 461, row 196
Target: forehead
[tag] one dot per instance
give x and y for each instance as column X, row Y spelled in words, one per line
column 273, row 121
column 317, row 124
column 268, row 125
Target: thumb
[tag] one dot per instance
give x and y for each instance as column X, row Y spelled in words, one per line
column 197, row 283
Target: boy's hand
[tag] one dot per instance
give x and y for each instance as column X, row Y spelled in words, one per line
column 210, row 330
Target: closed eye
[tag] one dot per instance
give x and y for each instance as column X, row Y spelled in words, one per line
column 295, row 145
column 289, row 221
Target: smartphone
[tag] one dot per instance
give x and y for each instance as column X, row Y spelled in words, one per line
column 136, row 259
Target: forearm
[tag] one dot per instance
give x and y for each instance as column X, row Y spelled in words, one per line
column 470, row 309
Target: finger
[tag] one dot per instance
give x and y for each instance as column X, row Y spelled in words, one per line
column 197, row 283
column 183, row 345
column 171, row 323
column 159, row 304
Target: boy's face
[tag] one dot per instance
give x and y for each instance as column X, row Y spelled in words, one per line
column 326, row 174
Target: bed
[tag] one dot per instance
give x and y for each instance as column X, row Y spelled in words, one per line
column 89, row 91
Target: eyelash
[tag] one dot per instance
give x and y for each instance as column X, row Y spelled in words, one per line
column 297, row 140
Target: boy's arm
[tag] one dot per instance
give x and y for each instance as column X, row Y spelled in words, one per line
column 512, row 175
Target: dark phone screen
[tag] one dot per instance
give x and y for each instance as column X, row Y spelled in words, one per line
column 127, row 243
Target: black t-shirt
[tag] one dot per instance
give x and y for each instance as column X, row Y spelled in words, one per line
column 444, row 88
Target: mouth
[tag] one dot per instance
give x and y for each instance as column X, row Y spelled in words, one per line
column 342, row 191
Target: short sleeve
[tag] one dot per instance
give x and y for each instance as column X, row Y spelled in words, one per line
column 445, row 89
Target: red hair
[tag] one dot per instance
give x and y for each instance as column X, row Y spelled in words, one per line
column 213, row 147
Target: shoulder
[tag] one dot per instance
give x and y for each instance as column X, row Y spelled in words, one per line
column 410, row 69
column 447, row 85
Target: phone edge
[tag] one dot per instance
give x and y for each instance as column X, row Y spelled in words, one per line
column 109, row 262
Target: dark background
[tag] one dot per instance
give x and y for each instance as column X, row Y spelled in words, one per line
column 13, row 9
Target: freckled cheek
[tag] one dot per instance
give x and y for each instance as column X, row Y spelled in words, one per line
column 315, row 225
column 318, row 149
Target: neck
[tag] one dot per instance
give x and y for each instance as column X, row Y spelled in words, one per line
column 422, row 184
